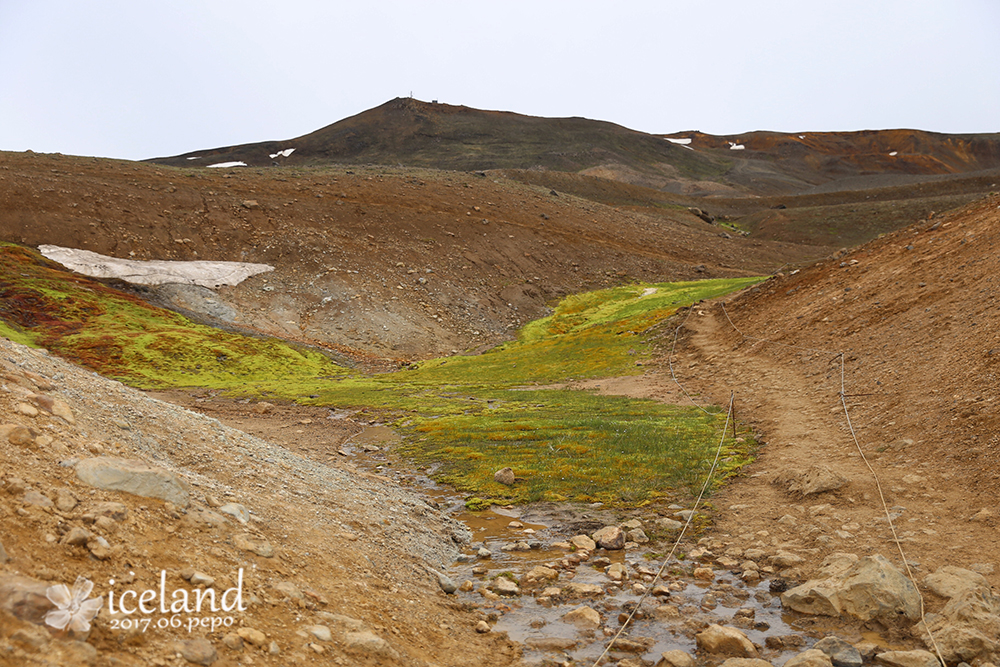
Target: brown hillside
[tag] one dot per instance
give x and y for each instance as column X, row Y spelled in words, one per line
column 402, row 263
column 917, row 316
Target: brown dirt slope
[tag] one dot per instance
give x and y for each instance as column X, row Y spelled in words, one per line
column 917, row 316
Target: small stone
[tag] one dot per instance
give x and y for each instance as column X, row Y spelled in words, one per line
column 504, row 586
column 76, row 537
column 467, row 586
column 99, row 547
column 505, row 476
column 841, row 653
column 704, row 573
column 131, row 476
column 667, row 612
column 320, row 632
column 482, row 627
column 371, row 644
column 201, row 579
column 583, row 617
column 583, row 542
column 233, row 642
column 65, row 500
column 199, row 651
column 786, row 559
column 676, row 658
column 483, row 552
column 669, row 525
column 446, row 584
column 609, row 537
column 638, row 536
column 36, row 499
column 574, row 589
column 721, row 639
column 257, row 545
column 811, row 658
column 237, row 511
column 26, row 410
column 617, row 572
column 252, row 636
column 950, row 582
column 537, row 575
column 273, row 648
column 907, row 659
column 17, row 435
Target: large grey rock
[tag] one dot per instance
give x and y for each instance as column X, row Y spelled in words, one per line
column 967, row 628
column 717, row 639
column 505, row 476
column 131, row 476
column 949, row 582
column 811, row 658
column 237, row 511
column 872, row 588
column 840, row 652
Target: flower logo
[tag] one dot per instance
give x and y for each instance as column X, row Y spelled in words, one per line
column 74, row 610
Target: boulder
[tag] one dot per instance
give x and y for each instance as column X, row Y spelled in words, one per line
column 583, row 542
column 872, row 588
column 504, row 586
column 609, row 537
column 131, row 476
column 717, row 639
column 967, row 628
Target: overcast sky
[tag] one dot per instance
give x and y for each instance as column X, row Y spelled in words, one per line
column 138, row 79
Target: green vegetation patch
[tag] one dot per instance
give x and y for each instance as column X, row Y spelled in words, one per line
column 466, row 416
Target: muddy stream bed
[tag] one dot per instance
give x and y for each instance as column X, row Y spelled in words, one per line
column 703, row 583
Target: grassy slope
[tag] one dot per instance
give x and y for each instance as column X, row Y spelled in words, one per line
column 467, row 415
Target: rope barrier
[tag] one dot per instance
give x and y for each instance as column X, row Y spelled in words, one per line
column 878, row 484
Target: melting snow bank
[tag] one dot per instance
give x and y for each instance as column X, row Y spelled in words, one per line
column 284, row 153
column 154, row 272
column 736, row 147
column 682, row 142
column 227, row 164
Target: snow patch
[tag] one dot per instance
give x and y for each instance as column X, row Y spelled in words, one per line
column 894, row 153
column 682, row 142
column 648, row 291
column 153, row 272
column 284, row 153
column 736, row 147
column 802, row 136
column 227, row 164
column 196, row 157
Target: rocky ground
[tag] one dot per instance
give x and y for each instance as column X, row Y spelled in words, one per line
column 338, row 566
